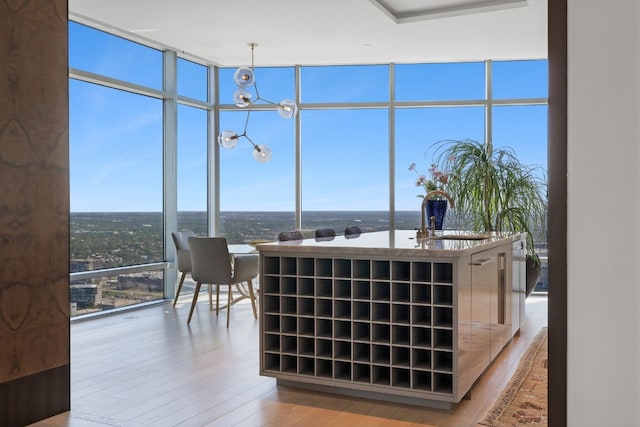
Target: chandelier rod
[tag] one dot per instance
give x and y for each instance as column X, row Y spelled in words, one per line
column 252, row 45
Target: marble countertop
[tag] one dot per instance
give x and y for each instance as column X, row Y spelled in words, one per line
column 391, row 243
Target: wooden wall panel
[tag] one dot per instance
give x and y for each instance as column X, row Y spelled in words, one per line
column 34, row 195
column 558, row 131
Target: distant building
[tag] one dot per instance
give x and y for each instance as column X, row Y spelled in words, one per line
column 85, row 295
column 77, row 265
column 143, row 281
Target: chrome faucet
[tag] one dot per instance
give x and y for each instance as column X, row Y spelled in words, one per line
column 423, row 232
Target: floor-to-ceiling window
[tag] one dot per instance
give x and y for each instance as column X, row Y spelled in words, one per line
column 192, row 169
column 117, row 175
column 191, row 146
column 418, row 131
column 434, row 102
column 257, row 200
column 519, row 120
column 116, row 172
column 344, row 160
column 344, row 143
column 357, row 131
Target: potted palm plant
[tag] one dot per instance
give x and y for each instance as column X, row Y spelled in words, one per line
column 494, row 191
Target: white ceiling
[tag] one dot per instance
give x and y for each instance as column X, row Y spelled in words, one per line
column 320, row 32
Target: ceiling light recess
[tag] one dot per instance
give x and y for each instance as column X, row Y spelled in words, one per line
column 405, row 11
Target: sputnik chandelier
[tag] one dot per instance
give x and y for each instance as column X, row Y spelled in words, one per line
column 244, row 78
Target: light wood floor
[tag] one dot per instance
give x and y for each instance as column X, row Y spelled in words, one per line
column 149, row 368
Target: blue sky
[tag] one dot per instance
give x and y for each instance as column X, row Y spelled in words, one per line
column 116, row 137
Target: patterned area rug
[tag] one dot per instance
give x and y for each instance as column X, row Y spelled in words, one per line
column 524, row 401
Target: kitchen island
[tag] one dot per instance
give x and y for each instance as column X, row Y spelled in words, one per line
column 387, row 316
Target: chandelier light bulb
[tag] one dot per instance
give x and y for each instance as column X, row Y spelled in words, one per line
column 287, row 108
column 242, row 97
column 228, row 139
column 244, row 77
column 262, row 153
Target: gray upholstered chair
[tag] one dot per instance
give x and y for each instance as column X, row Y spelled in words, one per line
column 183, row 257
column 212, row 265
column 290, row 235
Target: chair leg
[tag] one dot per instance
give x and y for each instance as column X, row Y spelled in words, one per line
column 194, row 302
column 229, row 306
column 217, row 299
column 175, row 300
column 210, row 298
column 252, row 297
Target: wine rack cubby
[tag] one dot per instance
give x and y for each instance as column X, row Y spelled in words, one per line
column 366, row 324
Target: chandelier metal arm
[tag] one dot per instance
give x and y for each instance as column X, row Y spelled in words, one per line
column 265, row 100
column 251, row 141
column 255, row 86
column 246, row 121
